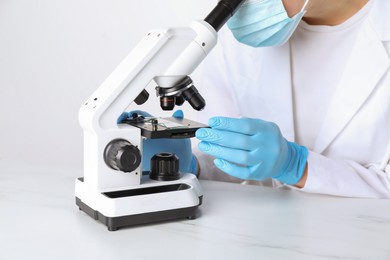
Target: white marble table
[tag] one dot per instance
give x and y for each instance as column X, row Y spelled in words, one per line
column 39, row 220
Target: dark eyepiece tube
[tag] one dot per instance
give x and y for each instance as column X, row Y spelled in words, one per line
column 222, row 12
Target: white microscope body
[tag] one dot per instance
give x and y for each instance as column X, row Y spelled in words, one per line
column 115, row 191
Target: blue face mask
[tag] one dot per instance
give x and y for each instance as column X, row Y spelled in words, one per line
column 261, row 23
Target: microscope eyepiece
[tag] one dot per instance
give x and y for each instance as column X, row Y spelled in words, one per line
column 222, row 12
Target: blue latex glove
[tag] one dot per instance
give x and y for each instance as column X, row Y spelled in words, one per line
column 252, row 149
column 180, row 147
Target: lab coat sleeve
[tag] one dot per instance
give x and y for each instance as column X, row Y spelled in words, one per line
column 345, row 178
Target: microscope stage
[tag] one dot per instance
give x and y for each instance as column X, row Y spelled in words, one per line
column 168, row 127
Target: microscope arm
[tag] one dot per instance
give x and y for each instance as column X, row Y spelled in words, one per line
column 165, row 56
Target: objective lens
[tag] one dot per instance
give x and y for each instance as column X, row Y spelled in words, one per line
column 167, row 103
column 142, row 97
column 179, row 100
column 194, row 98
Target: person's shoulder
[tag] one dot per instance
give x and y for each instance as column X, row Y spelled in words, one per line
column 380, row 18
column 380, row 6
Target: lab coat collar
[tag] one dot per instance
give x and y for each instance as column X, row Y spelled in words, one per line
column 367, row 64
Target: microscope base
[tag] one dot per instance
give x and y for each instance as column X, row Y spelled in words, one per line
column 114, row 223
column 147, row 203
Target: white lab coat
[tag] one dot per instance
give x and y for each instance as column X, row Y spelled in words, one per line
column 351, row 154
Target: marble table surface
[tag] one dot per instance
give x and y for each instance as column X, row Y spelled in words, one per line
column 39, row 220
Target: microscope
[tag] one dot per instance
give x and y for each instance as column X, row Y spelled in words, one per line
column 114, row 190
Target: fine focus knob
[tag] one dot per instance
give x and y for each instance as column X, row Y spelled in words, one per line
column 121, row 155
column 164, row 167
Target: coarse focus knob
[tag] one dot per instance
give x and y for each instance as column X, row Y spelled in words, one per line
column 164, row 167
column 121, row 155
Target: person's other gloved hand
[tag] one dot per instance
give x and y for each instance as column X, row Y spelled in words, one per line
column 180, row 147
column 252, row 149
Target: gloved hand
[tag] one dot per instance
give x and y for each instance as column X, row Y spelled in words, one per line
column 252, row 149
column 180, row 147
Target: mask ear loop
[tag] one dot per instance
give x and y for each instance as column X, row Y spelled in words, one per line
column 304, row 6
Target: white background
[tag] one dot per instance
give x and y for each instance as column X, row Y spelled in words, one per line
column 55, row 53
